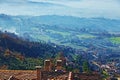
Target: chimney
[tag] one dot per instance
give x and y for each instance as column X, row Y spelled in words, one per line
column 59, row 65
column 39, row 76
column 47, row 65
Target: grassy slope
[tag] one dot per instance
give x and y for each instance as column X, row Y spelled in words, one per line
column 115, row 40
column 66, row 36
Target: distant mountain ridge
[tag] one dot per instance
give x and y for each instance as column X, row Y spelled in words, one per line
column 62, row 21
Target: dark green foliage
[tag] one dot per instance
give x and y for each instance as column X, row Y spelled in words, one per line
column 30, row 63
column 69, row 68
column 15, row 63
column 86, row 67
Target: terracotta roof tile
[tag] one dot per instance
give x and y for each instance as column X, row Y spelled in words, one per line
column 19, row 74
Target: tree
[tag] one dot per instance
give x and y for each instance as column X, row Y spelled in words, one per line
column 86, row 67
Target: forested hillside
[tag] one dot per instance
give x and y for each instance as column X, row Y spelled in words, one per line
column 16, row 53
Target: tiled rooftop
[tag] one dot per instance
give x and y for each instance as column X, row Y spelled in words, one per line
column 32, row 75
column 19, row 74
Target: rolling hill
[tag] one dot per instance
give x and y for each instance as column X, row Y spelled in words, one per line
column 69, row 31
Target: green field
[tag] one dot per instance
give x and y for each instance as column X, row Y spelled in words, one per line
column 115, row 40
column 59, row 32
column 83, row 36
column 62, row 37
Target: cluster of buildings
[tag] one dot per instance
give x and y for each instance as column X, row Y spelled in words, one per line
column 47, row 72
column 52, row 70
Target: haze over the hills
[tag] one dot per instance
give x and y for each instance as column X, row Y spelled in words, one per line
column 78, row 8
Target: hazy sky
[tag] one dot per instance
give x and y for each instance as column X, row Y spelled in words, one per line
column 80, row 8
